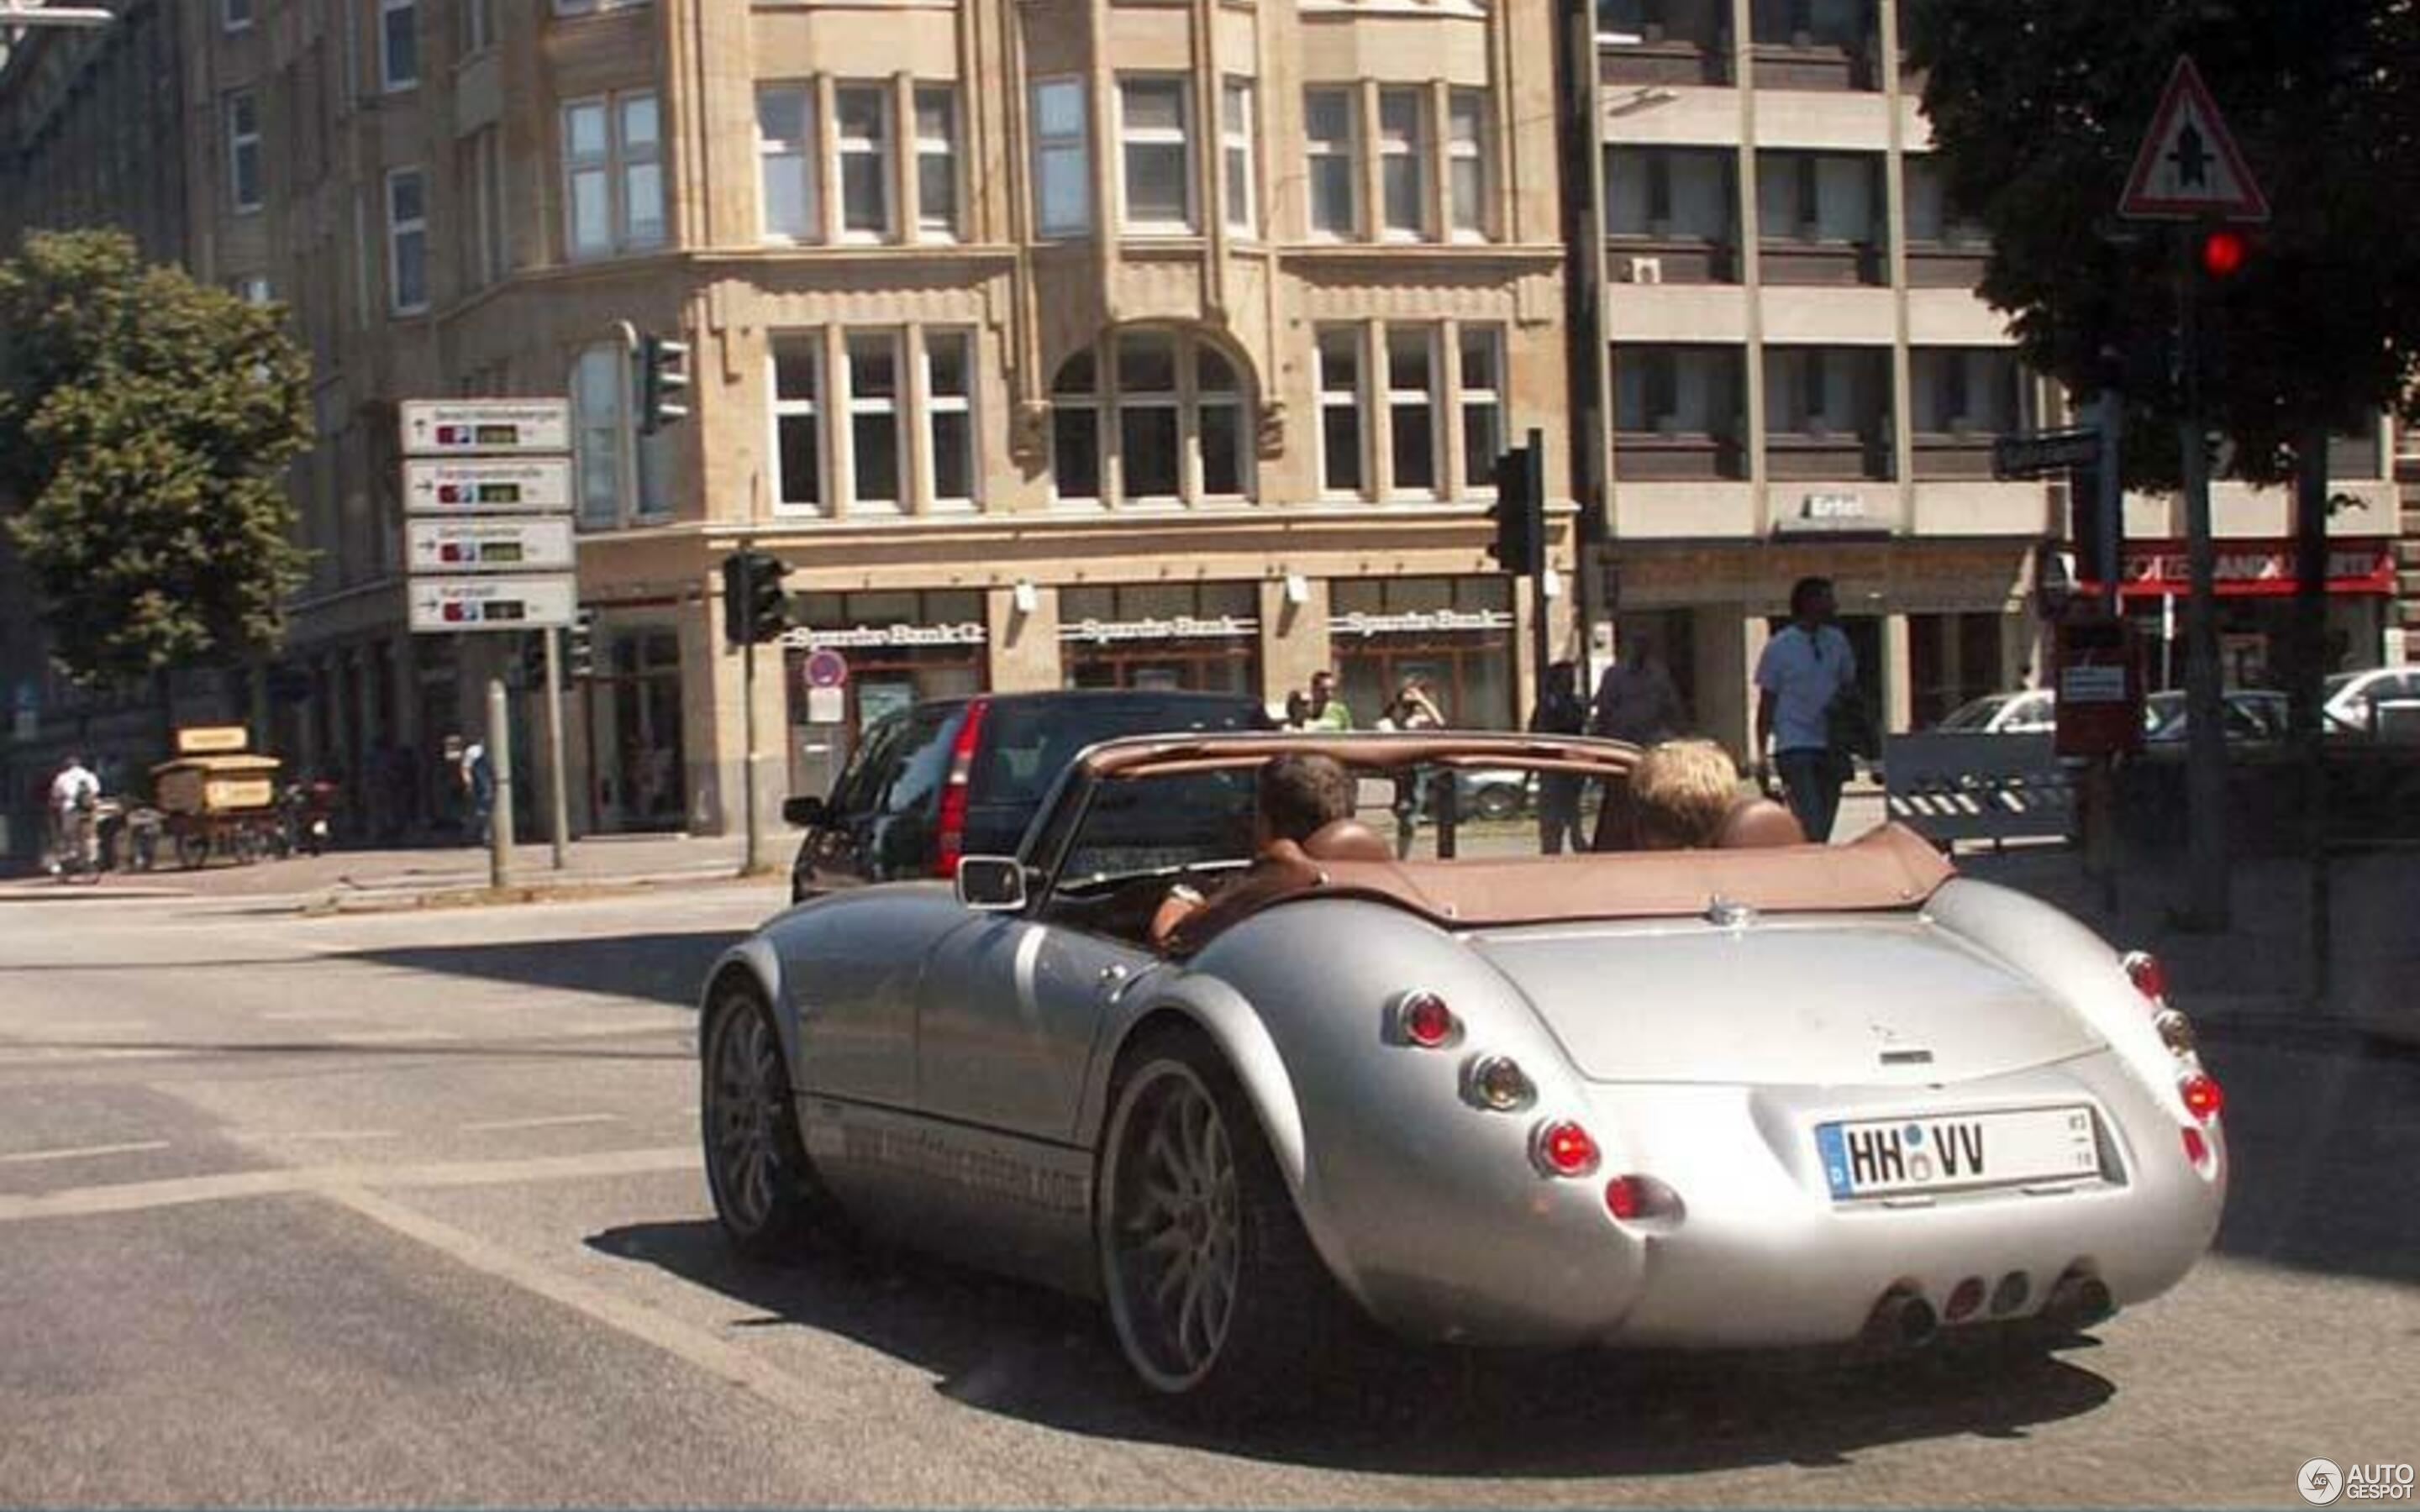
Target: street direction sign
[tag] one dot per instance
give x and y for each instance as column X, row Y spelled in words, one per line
column 532, row 545
column 502, row 486
column 2188, row 167
column 531, row 603
column 2039, row 452
column 458, row 427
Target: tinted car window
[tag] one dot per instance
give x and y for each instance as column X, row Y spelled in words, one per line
column 923, row 761
column 861, row 781
column 1027, row 744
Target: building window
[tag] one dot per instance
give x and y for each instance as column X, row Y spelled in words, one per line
column 591, row 7
column 486, row 224
column 252, row 289
column 398, row 43
column 478, row 26
column 861, row 135
column 1412, row 394
column 874, row 417
column 1482, row 386
column 1468, row 200
column 798, row 434
column 236, row 15
column 1339, row 409
column 1063, row 159
column 1403, row 163
column 1819, row 196
column 1962, row 390
column 1155, row 139
column 244, row 149
column 937, row 162
column 1179, row 418
column 407, row 242
column 1235, row 151
column 613, row 173
column 785, row 156
column 1328, row 131
column 949, row 415
column 599, row 385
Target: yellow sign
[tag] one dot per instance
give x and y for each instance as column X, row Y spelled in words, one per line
column 211, row 739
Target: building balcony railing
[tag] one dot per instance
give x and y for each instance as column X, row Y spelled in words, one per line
column 1823, row 264
column 1668, row 259
column 1812, row 456
column 1661, row 456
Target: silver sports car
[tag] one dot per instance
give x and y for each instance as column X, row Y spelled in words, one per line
column 1753, row 1094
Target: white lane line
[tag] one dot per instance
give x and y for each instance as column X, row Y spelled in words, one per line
column 31, row 1157
column 139, row 1197
column 562, row 1121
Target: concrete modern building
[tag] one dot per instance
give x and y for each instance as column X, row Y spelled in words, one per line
column 1071, row 342
column 1803, row 380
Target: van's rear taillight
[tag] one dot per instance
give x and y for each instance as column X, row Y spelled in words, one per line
column 949, row 841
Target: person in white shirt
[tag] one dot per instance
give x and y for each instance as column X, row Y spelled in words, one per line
column 72, row 790
column 1805, row 667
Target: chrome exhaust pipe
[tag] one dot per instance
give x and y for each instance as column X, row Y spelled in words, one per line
column 1901, row 1320
column 2080, row 1300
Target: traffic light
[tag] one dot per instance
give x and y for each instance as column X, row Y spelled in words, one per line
column 663, row 384
column 2221, row 252
column 754, row 607
column 1519, row 513
column 579, row 646
column 533, row 668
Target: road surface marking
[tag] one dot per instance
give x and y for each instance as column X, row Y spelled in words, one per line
column 29, row 1157
column 562, row 1121
column 324, row 1134
column 139, row 1197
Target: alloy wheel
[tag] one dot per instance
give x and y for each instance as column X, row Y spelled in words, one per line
column 1175, row 1234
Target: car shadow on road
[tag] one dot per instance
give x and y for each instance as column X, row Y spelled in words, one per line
column 1033, row 1354
column 663, row 968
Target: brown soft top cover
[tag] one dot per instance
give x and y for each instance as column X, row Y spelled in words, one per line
column 1890, row 867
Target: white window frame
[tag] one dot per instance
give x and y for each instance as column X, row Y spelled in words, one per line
column 235, row 15
column 1477, row 477
column 631, row 159
column 391, row 81
column 1169, row 401
column 1393, row 152
column 809, row 343
column 617, row 165
column 857, row 407
column 1467, row 155
column 797, row 152
column 935, row 403
column 244, row 144
column 478, row 26
column 1198, row 402
column 402, row 230
column 1428, row 395
column 1319, row 149
column 1050, row 148
column 1239, row 184
column 846, row 146
column 936, row 160
column 1181, row 136
column 1355, row 398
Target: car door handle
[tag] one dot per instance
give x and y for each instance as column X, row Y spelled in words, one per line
column 1111, row 975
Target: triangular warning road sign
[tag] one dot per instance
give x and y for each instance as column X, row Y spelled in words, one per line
column 2189, row 168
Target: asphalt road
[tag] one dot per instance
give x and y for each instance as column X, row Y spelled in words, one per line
column 405, row 1210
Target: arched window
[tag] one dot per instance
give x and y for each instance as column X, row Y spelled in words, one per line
column 1154, row 416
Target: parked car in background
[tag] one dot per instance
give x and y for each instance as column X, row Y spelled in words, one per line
column 2253, row 714
column 950, row 777
column 2026, row 712
column 2351, row 699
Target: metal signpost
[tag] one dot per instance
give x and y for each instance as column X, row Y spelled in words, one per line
column 488, row 545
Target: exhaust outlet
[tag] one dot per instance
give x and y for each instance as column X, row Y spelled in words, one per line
column 2080, row 1300
column 1901, row 1320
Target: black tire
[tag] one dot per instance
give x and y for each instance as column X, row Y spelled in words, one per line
column 765, row 1189
column 1495, row 802
column 1254, row 1311
column 192, row 851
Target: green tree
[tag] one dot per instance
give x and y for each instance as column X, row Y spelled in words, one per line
column 2036, row 111
column 145, row 424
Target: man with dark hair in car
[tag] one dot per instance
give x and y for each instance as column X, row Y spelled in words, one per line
column 1297, row 796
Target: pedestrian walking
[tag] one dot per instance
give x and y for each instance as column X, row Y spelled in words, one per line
column 479, row 785
column 1560, row 712
column 1414, row 707
column 1635, row 699
column 1325, row 709
column 74, row 794
column 1803, row 677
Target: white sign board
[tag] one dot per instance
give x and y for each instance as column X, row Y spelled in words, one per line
column 533, row 545
column 462, row 427
column 2189, row 167
column 535, row 603
column 538, row 486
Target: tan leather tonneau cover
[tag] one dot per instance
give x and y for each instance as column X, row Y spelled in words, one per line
column 1889, row 868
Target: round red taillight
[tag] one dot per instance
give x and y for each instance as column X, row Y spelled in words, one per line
column 1625, row 1197
column 2203, row 1099
column 2150, row 978
column 1426, row 1021
column 1564, row 1149
column 2197, row 1148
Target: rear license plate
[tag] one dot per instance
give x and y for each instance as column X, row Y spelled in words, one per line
column 1877, row 1157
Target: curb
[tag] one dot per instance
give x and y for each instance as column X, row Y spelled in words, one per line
column 387, row 901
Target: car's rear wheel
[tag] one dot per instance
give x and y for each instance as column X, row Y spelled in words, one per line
column 1495, row 802
column 1220, row 1302
column 765, row 1189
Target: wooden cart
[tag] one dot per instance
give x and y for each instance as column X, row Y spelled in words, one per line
column 224, row 804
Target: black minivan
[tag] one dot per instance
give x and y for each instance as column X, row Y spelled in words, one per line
column 963, row 777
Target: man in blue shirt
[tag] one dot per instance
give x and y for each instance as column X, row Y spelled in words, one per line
column 1805, row 667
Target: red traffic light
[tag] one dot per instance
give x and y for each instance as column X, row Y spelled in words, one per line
column 2222, row 253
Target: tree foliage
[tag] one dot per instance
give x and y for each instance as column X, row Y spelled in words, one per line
column 145, row 423
column 2038, row 108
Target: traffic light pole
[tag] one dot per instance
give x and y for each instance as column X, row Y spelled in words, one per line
column 1534, row 482
column 752, row 857
column 558, row 828
column 2208, row 903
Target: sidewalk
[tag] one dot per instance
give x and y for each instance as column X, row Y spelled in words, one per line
column 399, row 878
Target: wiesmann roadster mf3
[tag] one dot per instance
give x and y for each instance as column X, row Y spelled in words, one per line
column 1752, row 1094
